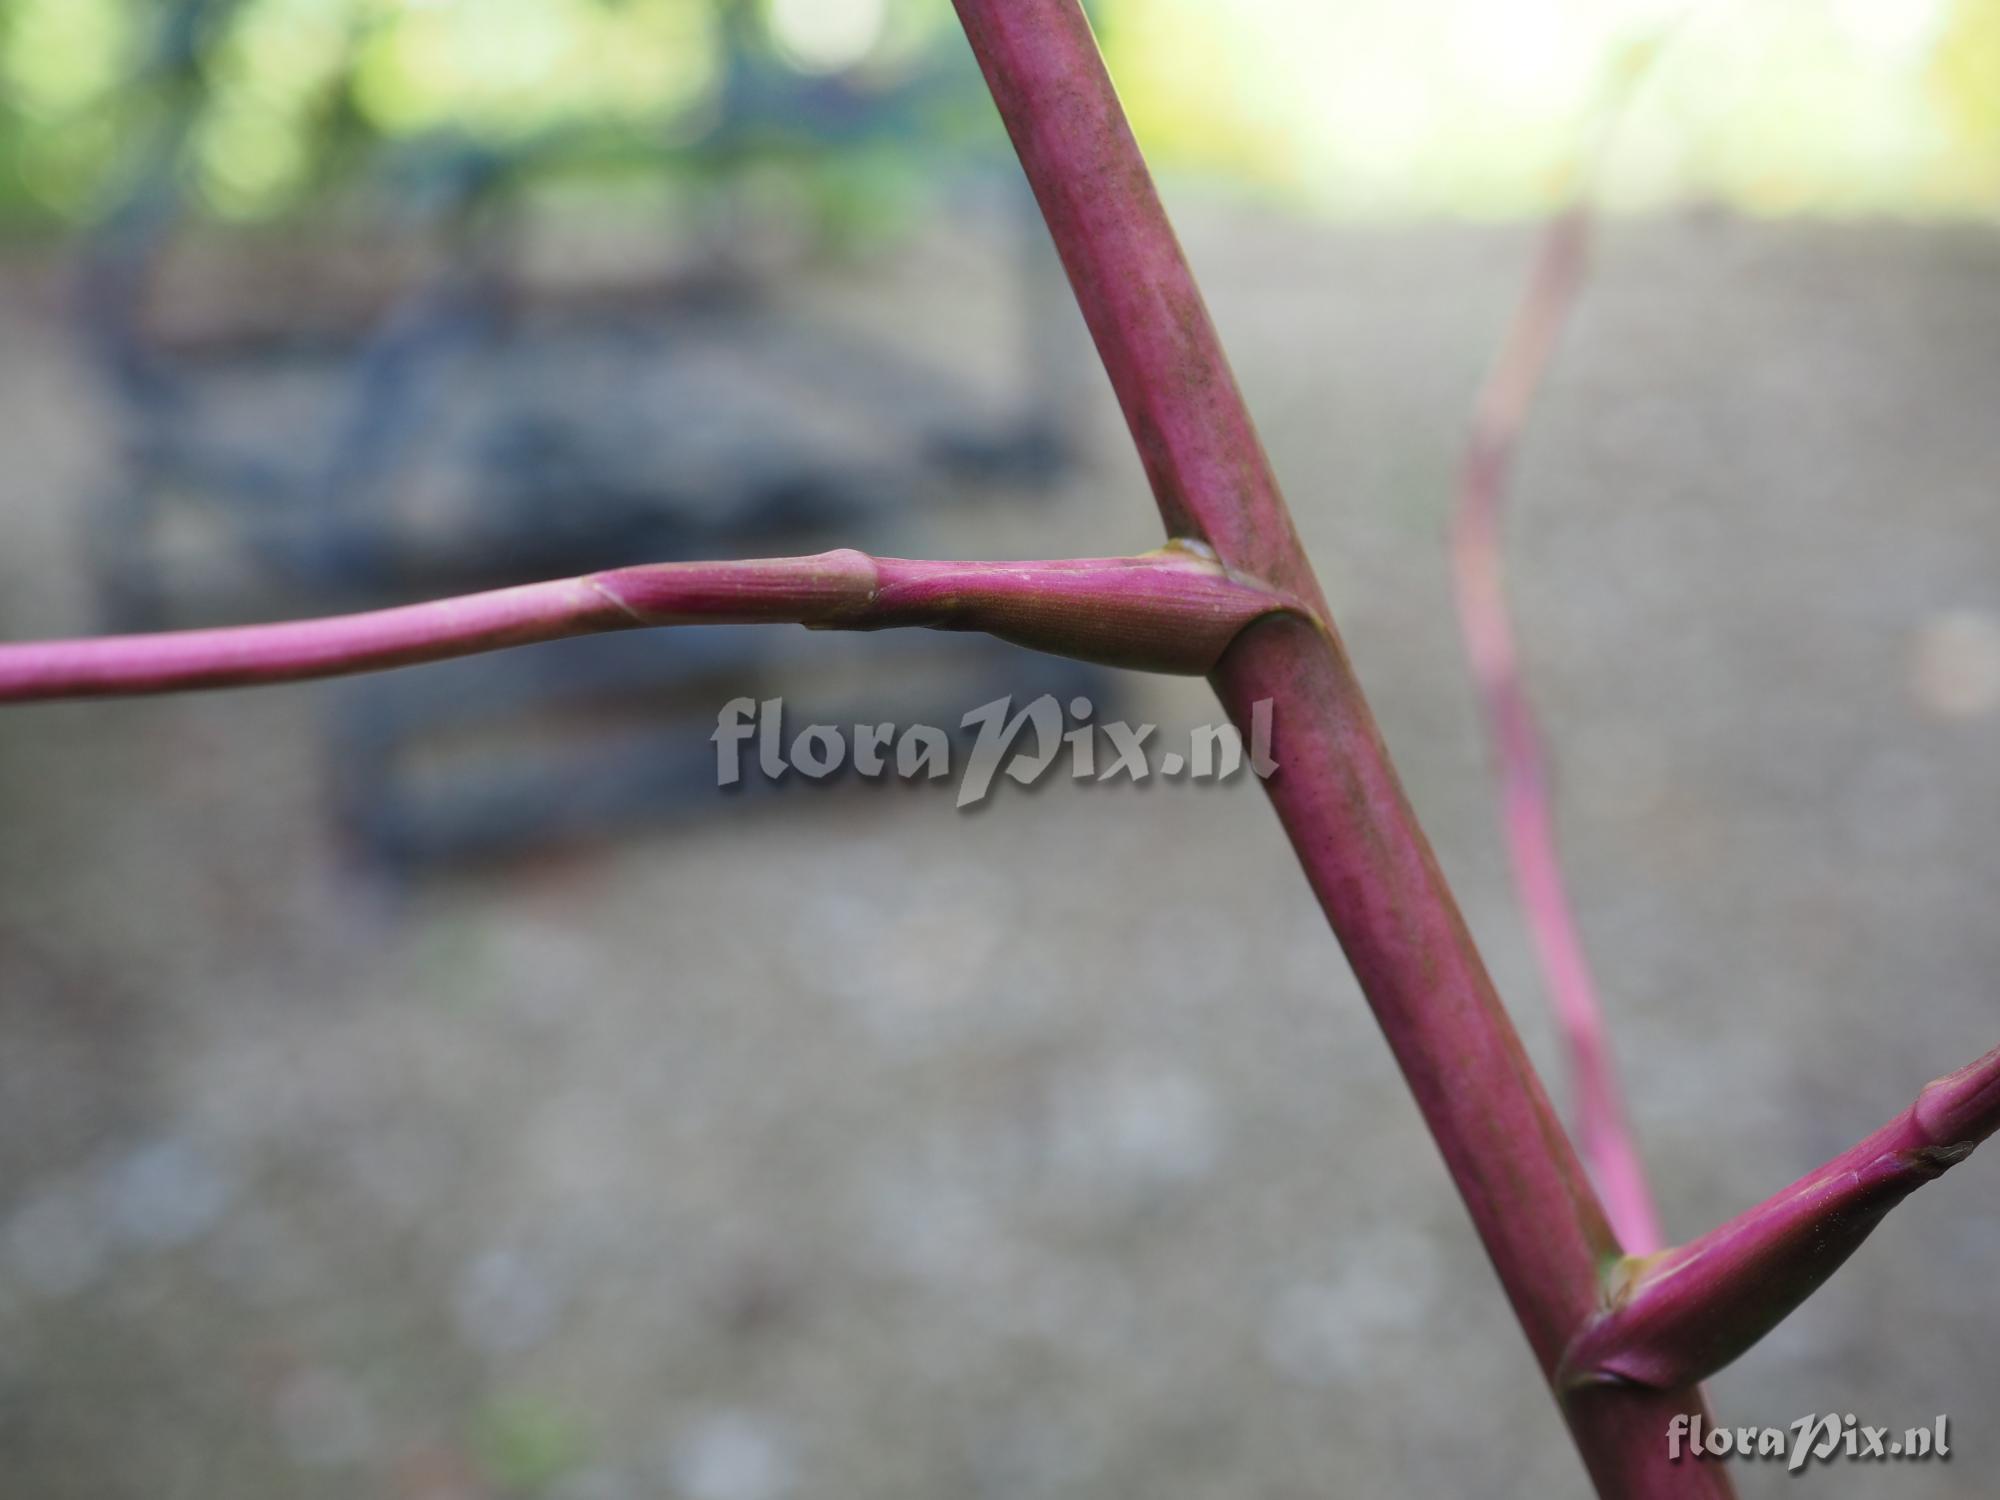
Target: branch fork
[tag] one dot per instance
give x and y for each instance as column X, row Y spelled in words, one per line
column 1238, row 602
column 1679, row 1316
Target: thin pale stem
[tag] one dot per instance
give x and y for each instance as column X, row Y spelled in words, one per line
column 1682, row 1315
column 1603, row 1131
column 1336, row 792
column 1174, row 610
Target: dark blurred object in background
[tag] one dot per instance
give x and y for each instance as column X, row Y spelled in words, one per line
column 397, row 394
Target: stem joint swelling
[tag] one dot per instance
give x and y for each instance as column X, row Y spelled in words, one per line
column 1679, row 1316
column 1340, row 800
column 1176, row 610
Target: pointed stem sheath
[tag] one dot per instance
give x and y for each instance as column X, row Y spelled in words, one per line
column 1336, row 794
column 1683, row 1315
column 1169, row 611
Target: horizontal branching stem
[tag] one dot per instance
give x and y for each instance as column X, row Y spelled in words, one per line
column 1175, row 610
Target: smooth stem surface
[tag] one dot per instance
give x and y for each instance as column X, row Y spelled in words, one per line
column 1168, row 611
column 1603, row 1131
column 1337, row 794
column 1683, row 1315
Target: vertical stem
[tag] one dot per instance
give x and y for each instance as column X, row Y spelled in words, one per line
column 1336, row 792
column 1603, row 1129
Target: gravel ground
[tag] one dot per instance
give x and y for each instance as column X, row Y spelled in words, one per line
column 846, row 1146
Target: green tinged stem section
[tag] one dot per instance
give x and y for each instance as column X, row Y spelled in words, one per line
column 1683, row 1314
column 1336, row 792
column 1175, row 610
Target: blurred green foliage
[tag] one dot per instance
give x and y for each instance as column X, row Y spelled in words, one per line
column 1398, row 107
column 1395, row 106
column 1966, row 73
column 523, row 1444
column 271, row 102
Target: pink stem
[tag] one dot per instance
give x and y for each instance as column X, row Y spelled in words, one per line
column 1169, row 611
column 1681, row 1316
column 1604, row 1134
column 1336, row 792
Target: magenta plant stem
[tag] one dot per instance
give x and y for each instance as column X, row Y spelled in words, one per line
column 1683, row 1315
column 1336, row 794
column 1604, row 1134
column 1169, row 611
column 1621, row 1338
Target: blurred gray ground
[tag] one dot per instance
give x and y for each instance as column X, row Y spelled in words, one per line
column 848, row 1146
